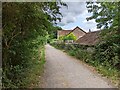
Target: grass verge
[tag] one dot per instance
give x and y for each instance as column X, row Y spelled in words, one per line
column 38, row 69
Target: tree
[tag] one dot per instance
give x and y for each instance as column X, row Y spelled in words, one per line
column 52, row 34
column 107, row 51
column 25, row 26
column 106, row 14
column 70, row 36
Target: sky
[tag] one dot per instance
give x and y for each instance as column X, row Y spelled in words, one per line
column 75, row 15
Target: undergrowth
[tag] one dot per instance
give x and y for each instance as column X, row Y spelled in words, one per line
column 81, row 52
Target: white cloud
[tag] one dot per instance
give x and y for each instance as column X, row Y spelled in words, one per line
column 69, row 19
column 70, row 14
column 90, row 21
column 76, row 15
column 94, row 29
column 73, row 1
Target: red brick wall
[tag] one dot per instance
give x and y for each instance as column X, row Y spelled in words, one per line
column 78, row 33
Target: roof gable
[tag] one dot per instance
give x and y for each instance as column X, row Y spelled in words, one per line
column 79, row 29
column 66, row 32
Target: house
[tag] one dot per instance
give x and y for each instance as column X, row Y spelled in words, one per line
column 63, row 33
column 90, row 38
column 83, row 38
column 78, row 32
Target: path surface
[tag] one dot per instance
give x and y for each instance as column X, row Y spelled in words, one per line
column 63, row 71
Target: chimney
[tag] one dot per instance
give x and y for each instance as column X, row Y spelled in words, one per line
column 89, row 30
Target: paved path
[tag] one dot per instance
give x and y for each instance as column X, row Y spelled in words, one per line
column 63, row 71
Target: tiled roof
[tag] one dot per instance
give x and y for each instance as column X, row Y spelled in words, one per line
column 90, row 38
column 64, row 32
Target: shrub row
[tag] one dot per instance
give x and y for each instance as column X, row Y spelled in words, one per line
column 25, row 60
column 79, row 51
column 105, row 62
column 94, row 56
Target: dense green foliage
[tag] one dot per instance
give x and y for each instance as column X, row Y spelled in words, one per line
column 77, row 50
column 53, row 34
column 107, row 15
column 26, row 27
column 70, row 36
column 86, row 53
column 108, row 50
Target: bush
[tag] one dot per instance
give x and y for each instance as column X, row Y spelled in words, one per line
column 26, row 26
column 104, row 57
column 70, row 36
column 107, row 52
column 79, row 51
column 25, row 60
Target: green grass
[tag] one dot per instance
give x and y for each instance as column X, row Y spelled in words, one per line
column 71, row 53
column 37, row 71
column 33, row 74
column 112, row 74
